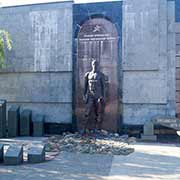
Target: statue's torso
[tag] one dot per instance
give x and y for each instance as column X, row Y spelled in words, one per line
column 95, row 84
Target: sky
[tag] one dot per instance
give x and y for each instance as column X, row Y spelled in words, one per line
column 22, row 2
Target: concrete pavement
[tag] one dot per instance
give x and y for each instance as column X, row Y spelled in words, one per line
column 149, row 161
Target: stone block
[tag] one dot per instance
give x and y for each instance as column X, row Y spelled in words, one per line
column 36, row 154
column 148, row 133
column 177, row 27
column 25, row 122
column 141, row 35
column 38, row 125
column 54, row 112
column 171, row 71
column 169, row 122
column 2, row 118
column 13, row 155
column 37, row 87
column 148, row 128
column 144, row 87
column 138, row 114
column 13, row 121
column 33, row 51
column 59, row 55
column 1, row 152
column 148, row 137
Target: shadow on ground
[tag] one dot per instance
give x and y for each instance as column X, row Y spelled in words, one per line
column 66, row 166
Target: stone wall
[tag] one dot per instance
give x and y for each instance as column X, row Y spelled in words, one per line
column 148, row 60
column 39, row 67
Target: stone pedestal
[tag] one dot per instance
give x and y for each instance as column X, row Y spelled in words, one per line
column 38, row 125
column 13, row 155
column 148, row 137
column 25, row 123
column 36, row 154
column 13, row 121
column 148, row 132
column 1, row 152
column 2, row 118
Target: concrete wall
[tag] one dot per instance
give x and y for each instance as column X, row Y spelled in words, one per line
column 39, row 67
column 148, row 60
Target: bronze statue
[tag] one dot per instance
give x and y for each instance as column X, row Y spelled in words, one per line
column 94, row 95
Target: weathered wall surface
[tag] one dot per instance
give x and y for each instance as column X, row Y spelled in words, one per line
column 177, row 11
column 39, row 67
column 177, row 30
column 148, row 60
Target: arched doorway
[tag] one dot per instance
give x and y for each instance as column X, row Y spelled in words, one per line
column 98, row 39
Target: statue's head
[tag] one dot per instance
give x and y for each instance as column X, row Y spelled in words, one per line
column 95, row 65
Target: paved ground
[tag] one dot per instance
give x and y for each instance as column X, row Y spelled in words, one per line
column 67, row 166
column 149, row 161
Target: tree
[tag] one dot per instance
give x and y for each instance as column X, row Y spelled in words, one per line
column 5, row 42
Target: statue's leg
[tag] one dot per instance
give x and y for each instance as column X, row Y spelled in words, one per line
column 95, row 113
column 100, row 112
column 88, row 110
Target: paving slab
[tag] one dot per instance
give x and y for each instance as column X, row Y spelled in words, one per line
column 150, row 161
column 66, row 166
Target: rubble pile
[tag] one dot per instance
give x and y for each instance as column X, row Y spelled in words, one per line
column 99, row 143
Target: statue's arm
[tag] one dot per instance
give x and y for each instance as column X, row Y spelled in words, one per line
column 85, row 84
column 103, row 85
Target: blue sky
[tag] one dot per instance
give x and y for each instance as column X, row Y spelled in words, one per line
column 22, row 2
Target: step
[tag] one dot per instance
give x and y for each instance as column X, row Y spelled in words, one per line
column 170, row 122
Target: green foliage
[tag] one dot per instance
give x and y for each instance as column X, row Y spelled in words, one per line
column 5, row 42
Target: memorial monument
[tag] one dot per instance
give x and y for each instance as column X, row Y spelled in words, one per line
column 45, row 72
column 97, row 39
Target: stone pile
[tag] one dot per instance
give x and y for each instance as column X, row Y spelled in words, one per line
column 101, row 142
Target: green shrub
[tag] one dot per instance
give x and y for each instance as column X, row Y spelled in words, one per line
column 5, row 42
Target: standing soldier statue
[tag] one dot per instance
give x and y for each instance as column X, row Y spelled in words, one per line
column 94, row 96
